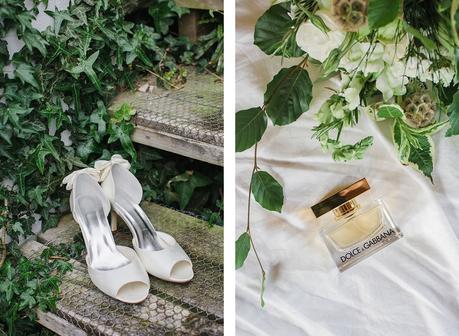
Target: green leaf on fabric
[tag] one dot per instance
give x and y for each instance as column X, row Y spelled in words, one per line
column 267, row 191
column 25, row 73
column 401, row 142
column 275, row 34
column 414, row 149
column 421, row 156
column 382, row 12
column 453, row 113
column 242, row 249
column 288, row 95
column 352, row 152
column 392, row 111
column 250, row 127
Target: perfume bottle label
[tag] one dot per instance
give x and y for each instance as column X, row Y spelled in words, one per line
column 373, row 242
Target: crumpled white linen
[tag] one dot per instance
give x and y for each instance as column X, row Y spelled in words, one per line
column 409, row 288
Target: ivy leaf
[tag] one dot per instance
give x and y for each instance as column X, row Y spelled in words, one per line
column 36, row 195
column 250, row 126
column 273, row 28
column 25, row 19
column 26, row 73
column 382, row 12
column 123, row 113
column 86, row 67
column 59, row 17
column 98, row 117
column 44, row 149
column 453, row 113
column 392, row 111
column 34, row 40
column 242, row 249
column 267, row 191
column 123, row 133
column 288, row 95
column 17, row 228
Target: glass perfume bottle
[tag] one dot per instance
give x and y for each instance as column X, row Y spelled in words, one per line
column 353, row 226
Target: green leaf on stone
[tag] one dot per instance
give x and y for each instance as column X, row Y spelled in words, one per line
column 267, row 191
column 392, row 111
column 250, row 126
column 288, row 95
column 382, row 12
column 242, row 249
column 275, row 33
column 34, row 40
column 124, row 113
column 453, row 113
column 44, row 149
column 25, row 73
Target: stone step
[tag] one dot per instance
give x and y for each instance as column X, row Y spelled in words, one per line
column 187, row 121
column 195, row 308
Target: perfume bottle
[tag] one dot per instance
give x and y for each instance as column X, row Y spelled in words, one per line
column 353, row 226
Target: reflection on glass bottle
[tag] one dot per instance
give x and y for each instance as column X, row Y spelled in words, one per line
column 353, row 232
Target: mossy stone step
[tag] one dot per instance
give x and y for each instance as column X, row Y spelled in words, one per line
column 186, row 120
column 195, row 308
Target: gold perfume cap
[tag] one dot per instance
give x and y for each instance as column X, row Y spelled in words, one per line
column 341, row 197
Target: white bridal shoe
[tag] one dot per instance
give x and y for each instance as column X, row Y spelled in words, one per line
column 161, row 255
column 115, row 270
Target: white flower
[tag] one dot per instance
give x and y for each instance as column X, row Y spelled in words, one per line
column 395, row 51
column 351, row 91
column 315, row 42
column 391, row 82
column 444, row 76
column 332, row 108
column 364, row 57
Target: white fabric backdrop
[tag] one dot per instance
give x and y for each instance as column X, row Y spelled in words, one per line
column 410, row 288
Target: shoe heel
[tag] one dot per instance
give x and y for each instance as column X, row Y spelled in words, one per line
column 113, row 221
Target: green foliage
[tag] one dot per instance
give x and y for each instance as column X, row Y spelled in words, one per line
column 181, row 182
column 242, row 249
column 275, row 34
column 27, row 285
column 414, row 145
column 250, row 127
column 288, row 95
column 382, row 12
column 427, row 42
column 267, row 191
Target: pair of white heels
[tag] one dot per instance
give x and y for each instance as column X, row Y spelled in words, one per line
column 120, row 271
